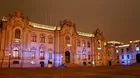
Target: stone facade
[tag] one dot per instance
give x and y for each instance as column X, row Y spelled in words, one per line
column 126, row 54
column 129, row 53
column 28, row 44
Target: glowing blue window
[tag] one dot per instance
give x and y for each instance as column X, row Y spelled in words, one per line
column 128, row 56
column 122, row 56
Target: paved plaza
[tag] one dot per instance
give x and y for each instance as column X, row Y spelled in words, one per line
column 73, row 72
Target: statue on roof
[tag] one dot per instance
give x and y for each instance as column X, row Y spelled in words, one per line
column 97, row 31
column 67, row 22
column 18, row 13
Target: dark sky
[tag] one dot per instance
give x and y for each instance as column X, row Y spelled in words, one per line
column 117, row 19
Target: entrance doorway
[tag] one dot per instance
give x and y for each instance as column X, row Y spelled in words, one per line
column 42, row 63
column 138, row 58
column 110, row 63
column 67, row 57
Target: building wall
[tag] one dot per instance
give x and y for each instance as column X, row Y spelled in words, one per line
column 127, row 54
column 26, row 49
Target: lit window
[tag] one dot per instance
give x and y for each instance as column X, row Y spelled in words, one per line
column 50, row 55
column 33, row 55
column 42, row 55
column 16, row 53
column 98, row 56
column 33, row 51
column 84, row 57
column 117, row 51
column 17, row 33
column 137, row 48
column 78, row 56
column 83, row 43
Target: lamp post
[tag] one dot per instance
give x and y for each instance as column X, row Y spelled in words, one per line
column 9, row 60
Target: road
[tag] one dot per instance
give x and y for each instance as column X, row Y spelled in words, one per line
column 75, row 72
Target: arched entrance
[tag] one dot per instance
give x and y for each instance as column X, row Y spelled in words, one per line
column 110, row 63
column 67, row 57
column 138, row 58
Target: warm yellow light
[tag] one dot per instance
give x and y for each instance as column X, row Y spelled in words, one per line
column 115, row 42
column 9, row 54
column 93, row 62
column 85, row 34
column 117, row 51
column 68, row 45
column 42, row 26
column 126, row 45
column 99, row 48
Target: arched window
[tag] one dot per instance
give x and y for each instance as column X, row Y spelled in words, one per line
column 17, row 33
column 67, row 39
column 83, row 43
column 78, row 42
column 15, row 53
column 42, row 38
column 33, row 52
column 50, row 54
column 50, row 38
column 42, row 55
column 34, row 37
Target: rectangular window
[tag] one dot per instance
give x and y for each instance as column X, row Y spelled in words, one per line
column 122, row 56
column 127, row 49
column 122, row 50
column 88, row 57
column 42, row 55
column 127, row 56
column 50, row 55
column 15, row 54
column 117, row 57
column 84, row 57
column 33, row 55
column 78, row 57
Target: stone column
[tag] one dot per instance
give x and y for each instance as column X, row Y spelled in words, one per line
column 2, row 48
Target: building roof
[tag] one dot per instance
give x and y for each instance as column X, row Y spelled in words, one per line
column 48, row 27
column 114, row 42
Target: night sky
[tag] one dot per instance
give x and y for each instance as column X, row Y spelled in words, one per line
column 117, row 19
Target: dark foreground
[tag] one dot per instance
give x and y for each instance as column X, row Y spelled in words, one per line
column 84, row 72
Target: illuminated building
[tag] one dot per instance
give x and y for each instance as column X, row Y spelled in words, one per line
column 113, row 53
column 128, row 54
column 27, row 44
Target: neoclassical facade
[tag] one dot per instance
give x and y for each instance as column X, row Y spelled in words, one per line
column 27, row 44
column 129, row 53
column 123, row 54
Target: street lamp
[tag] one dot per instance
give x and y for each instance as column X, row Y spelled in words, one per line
column 9, row 60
